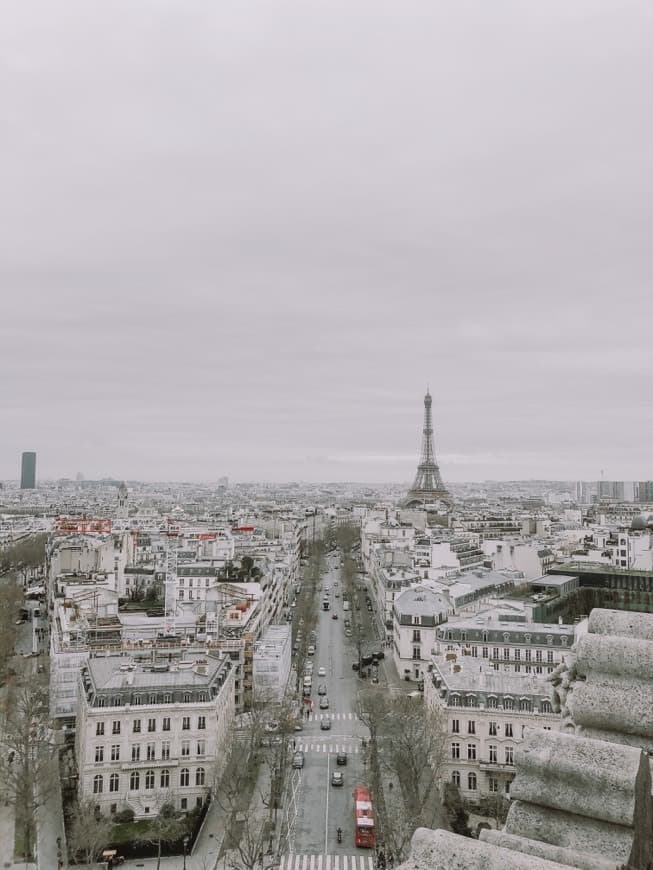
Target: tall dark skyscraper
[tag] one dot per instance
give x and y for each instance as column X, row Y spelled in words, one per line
column 28, row 471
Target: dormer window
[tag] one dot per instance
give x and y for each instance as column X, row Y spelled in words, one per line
column 549, row 639
column 527, row 638
column 506, row 637
column 485, row 637
column 564, row 640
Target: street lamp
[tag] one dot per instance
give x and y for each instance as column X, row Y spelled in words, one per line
column 186, row 838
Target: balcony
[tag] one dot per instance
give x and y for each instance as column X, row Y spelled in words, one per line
column 496, row 767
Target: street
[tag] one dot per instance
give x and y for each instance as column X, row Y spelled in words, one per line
column 322, row 808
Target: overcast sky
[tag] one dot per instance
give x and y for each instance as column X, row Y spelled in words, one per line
column 241, row 237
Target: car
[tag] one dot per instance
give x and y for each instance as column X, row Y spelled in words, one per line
column 20, row 622
column 298, row 760
column 324, row 703
column 322, row 689
column 337, row 778
column 348, row 632
column 321, row 672
column 308, row 669
column 355, row 666
column 337, row 594
column 295, row 647
column 311, row 650
column 298, row 725
column 347, row 623
column 325, row 725
column 334, row 615
column 341, row 758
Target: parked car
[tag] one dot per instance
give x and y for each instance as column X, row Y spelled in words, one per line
column 311, row 650
column 334, row 615
column 341, row 758
column 355, row 666
column 321, row 672
column 348, row 632
column 324, row 703
column 325, row 725
column 322, row 689
column 298, row 760
column 337, row 778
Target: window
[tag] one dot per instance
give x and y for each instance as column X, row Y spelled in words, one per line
column 471, row 727
column 455, row 726
column 485, row 637
column 455, row 750
column 136, row 752
column 538, row 655
column 493, row 784
column 134, row 781
column 471, row 781
column 184, row 777
column 99, row 729
column 417, row 636
column 492, row 750
column 454, row 700
column 517, row 655
column 187, row 697
column 549, row 656
column 524, row 705
column 181, row 594
column 508, row 729
column 417, row 653
column 528, row 655
column 509, row 755
column 484, row 652
column 183, row 803
column 546, row 706
column 151, row 724
column 200, row 775
column 474, row 652
column 492, row 702
column 117, row 701
column 114, row 782
column 113, row 809
column 492, row 729
column 165, row 750
column 463, row 635
column 166, row 723
column 167, row 699
column 495, row 652
column 165, row 778
column 201, row 723
column 115, row 727
column 549, row 639
column 455, row 778
column 100, row 702
column 564, row 641
column 185, row 748
column 201, row 747
column 152, row 699
column 151, row 751
column 471, row 752
column 98, row 784
column 99, row 754
column 506, row 654
column 137, row 726
column 149, row 780
column 137, row 700
column 508, row 704
column 115, row 752
column 527, row 638
column 185, row 723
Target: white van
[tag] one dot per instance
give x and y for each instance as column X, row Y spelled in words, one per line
column 311, row 650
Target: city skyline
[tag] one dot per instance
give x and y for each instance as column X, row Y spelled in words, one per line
column 234, row 246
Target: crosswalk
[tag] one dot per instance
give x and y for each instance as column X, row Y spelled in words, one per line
column 335, row 717
column 318, row 746
column 326, row 862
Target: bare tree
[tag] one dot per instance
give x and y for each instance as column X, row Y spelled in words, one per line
column 28, row 764
column 167, row 827
column 414, row 749
column 89, row 831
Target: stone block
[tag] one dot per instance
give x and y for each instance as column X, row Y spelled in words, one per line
column 442, row 850
column 585, row 777
column 613, row 705
column 620, row 656
column 619, row 622
column 568, row 857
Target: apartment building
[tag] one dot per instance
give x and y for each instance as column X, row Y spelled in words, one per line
column 149, row 733
column 486, row 714
column 506, row 642
column 416, row 614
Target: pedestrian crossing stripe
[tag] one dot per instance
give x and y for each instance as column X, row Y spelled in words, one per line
column 326, row 862
column 316, row 717
column 327, row 747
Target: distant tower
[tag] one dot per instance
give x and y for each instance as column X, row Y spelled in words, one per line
column 28, row 471
column 427, row 486
column 123, row 511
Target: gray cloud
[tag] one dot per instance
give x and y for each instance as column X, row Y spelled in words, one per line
column 283, row 219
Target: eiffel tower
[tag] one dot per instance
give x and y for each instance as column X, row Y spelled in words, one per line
column 427, row 486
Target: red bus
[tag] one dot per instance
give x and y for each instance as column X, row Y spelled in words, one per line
column 363, row 818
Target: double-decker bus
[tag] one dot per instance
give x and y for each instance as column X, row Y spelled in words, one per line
column 363, row 818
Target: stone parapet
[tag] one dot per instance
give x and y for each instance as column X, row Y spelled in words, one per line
column 566, row 857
